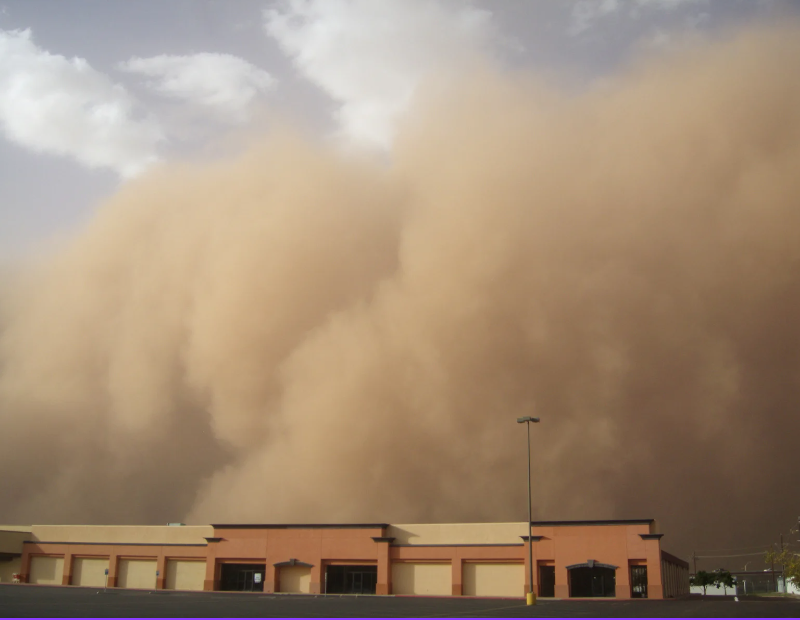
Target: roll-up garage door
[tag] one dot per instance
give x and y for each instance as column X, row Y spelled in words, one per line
column 46, row 570
column 185, row 574
column 137, row 574
column 494, row 580
column 89, row 571
column 431, row 579
column 295, row 579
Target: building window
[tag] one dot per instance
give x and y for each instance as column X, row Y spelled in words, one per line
column 351, row 579
column 638, row 581
column 243, row 577
column 547, row 580
column 592, row 582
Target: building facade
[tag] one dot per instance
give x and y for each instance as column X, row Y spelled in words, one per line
column 571, row 559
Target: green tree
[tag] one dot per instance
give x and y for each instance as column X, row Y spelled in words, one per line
column 725, row 579
column 703, row 579
column 790, row 561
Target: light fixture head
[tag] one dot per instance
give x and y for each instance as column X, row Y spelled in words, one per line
column 527, row 418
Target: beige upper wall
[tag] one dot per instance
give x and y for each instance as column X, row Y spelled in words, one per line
column 457, row 533
column 404, row 534
column 149, row 534
column 11, row 541
column 11, row 536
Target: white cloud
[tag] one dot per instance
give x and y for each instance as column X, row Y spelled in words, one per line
column 659, row 39
column 586, row 12
column 665, row 5
column 52, row 104
column 699, row 20
column 223, row 83
column 369, row 55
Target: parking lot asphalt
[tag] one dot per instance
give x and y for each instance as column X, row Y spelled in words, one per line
column 44, row 601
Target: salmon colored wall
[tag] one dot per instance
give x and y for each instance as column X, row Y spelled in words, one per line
column 384, row 584
column 609, row 544
column 456, row 533
column 310, row 545
column 515, row 552
column 655, row 588
column 564, row 544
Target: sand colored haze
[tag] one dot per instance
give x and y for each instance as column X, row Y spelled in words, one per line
column 299, row 335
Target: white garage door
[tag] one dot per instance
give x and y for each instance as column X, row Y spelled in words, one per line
column 494, row 580
column 185, row 575
column 89, row 571
column 137, row 574
column 431, row 579
column 47, row 570
column 295, row 579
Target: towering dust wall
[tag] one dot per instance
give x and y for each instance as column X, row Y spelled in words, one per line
column 302, row 335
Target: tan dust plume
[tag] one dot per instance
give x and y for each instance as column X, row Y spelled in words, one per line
column 300, row 335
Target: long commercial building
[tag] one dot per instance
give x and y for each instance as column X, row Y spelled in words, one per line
column 621, row 559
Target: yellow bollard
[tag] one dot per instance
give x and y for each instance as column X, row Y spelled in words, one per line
column 530, row 598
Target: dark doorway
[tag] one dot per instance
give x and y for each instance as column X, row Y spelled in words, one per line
column 351, row 579
column 242, row 577
column 638, row 582
column 595, row 581
column 547, row 580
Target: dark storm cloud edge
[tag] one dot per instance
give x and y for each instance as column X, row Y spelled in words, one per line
column 297, row 335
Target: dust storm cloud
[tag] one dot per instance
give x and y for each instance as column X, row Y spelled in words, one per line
column 302, row 335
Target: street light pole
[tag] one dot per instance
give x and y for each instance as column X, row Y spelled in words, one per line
column 530, row 596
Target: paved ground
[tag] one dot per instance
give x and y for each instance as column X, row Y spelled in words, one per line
column 43, row 601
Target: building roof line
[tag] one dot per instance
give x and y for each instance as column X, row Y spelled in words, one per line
column 459, row 545
column 297, row 526
column 112, row 544
column 600, row 522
